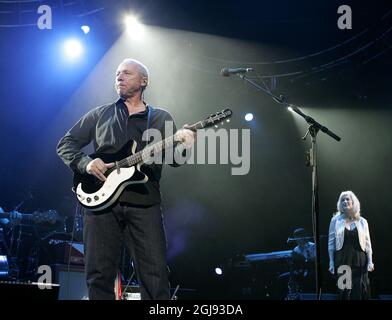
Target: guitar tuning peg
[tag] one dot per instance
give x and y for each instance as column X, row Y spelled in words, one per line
column 216, row 126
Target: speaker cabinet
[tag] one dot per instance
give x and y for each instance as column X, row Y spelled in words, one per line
column 72, row 282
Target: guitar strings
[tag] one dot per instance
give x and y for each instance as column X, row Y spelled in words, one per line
column 141, row 155
column 152, row 150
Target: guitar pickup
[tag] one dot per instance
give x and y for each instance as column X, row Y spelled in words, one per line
column 118, row 168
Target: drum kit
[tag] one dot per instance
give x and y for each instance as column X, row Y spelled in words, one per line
column 27, row 240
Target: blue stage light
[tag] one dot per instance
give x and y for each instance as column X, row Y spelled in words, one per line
column 72, row 49
column 85, row 29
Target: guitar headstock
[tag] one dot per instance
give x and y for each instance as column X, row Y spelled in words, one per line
column 214, row 119
column 50, row 216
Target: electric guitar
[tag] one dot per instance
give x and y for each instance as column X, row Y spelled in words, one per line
column 96, row 195
column 50, row 217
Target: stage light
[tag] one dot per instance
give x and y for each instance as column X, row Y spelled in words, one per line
column 249, row 117
column 72, row 49
column 134, row 28
column 218, row 271
column 85, row 29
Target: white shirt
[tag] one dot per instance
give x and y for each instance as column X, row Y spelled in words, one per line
column 336, row 236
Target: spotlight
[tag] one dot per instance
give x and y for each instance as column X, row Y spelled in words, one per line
column 218, row 271
column 134, row 28
column 72, row 49
column 249, row 117
column 85, row 29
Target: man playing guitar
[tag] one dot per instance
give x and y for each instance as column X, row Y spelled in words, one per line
column 135, row 218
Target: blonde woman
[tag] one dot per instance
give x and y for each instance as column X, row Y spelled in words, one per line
column 349, row 245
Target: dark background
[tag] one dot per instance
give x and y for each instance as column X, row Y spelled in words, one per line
column 339, row 77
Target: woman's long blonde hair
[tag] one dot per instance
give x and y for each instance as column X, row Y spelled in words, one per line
column 356, row 203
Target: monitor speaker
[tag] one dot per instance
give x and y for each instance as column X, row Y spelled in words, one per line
column 72, row 282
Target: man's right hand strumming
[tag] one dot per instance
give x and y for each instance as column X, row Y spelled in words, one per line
column 97, row 168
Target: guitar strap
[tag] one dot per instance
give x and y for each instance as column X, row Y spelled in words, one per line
column 150, row 109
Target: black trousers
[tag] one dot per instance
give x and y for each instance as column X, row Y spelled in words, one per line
column 141, row 231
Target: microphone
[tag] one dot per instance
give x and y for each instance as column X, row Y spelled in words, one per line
column 226, row 72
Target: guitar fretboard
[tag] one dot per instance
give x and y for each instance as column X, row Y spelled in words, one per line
column 150, row 151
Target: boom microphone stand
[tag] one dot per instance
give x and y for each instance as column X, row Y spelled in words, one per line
column 314, row 128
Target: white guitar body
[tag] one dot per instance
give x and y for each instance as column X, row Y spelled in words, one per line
column 95, row 195
column 111, row 189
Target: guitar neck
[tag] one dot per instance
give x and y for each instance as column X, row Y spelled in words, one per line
column 7, row 215
column 148, row 152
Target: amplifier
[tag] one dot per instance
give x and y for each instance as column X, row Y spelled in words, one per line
column 131, row 293
column 72, row 281
column 63, row 252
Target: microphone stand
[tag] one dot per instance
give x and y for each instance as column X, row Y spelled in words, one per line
column 314, row 128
